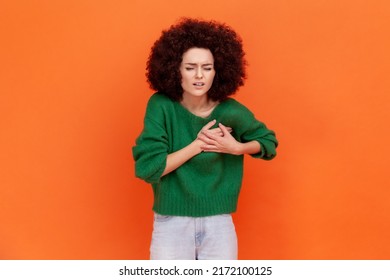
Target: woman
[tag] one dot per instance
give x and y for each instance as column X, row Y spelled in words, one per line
column 194, row 138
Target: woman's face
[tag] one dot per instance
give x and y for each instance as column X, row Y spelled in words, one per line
column 197, row 72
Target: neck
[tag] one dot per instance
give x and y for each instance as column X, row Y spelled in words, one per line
column 201, row 106
column 195, row 102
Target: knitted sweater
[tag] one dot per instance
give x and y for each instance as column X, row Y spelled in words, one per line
column 209, row 183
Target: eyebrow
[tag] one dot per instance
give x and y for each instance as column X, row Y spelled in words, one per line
column 194, row 64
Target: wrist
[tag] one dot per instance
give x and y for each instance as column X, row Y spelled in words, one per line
column 239, row 150
column 252, row 147
column 196, row 146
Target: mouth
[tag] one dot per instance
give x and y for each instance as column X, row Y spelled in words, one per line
column 199, row 84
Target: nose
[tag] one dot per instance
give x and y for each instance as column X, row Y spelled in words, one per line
column 199, row 73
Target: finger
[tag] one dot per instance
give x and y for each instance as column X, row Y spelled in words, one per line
column 206, row 139
column 210, row 135
column 216, row 131
column 209, row 125
column 220, row 132
column 209, row 148
column 223, row 128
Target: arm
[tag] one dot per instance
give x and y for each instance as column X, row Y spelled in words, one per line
column 178, row 158
column 248, row 131
column 150, row 153
column 250, row 148
column 258, row 142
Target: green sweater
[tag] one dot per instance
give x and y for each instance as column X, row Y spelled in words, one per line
column 209, row 183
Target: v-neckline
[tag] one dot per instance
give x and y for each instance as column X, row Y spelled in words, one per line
column 194, row 116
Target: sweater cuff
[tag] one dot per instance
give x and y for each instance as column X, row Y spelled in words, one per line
column 266, row 152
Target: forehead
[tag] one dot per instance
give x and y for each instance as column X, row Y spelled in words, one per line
column 198, row 55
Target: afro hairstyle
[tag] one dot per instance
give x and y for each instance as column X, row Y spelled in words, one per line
column 166, row 55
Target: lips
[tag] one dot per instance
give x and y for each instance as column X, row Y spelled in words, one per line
column 199, row 84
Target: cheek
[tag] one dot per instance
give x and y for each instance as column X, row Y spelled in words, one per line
column 184, row 78
column 185, row 82
column 211, row 78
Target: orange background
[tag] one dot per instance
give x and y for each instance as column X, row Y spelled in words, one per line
column 72, row 100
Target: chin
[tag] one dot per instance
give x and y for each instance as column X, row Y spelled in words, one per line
column 197, row 94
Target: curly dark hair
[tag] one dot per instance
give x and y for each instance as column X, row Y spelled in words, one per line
column 164, row 61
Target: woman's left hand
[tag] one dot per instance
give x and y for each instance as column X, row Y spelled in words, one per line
column 219, row 143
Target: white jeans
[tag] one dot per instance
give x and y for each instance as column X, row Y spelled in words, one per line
column 189, row 238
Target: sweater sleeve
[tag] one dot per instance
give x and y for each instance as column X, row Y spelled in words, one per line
column 248, row 128
column 258, row 131
column 151, row 149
